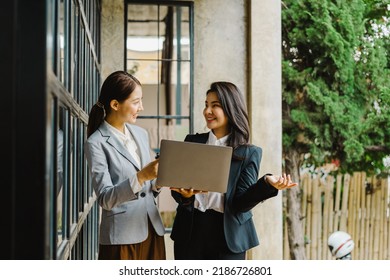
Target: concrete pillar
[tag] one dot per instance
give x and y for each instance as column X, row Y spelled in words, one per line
column 112, row 38
column 266, row 117
column 220, row 49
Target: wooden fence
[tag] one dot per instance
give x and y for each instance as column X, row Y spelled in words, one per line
column 353, row 203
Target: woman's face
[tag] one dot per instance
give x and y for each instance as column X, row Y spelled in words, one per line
column 128, row 110
column 214, row 115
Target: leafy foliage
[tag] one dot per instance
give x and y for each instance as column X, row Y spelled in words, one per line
column 336, row 82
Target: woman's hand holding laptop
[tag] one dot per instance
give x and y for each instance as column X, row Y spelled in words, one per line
column 187, row 193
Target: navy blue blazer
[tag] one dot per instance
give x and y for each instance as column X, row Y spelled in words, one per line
column 244, row 192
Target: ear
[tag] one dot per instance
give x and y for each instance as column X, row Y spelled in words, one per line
column 114, row 104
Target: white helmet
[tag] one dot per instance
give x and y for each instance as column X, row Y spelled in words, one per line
column 340, row 244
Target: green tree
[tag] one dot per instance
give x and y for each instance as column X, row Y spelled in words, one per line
column 335, row 92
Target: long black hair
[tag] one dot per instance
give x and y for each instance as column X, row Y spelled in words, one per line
column 118, row 85
column 233, row 104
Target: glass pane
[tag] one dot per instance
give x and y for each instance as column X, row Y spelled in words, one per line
column 146, row 71
column 180, row 83
column 143, row 32
column 60, row 175
column 167, row 36
column 164, row 129
column 61, row 38
column 154, row 101
column 181, row 130
column 151, row 127
column 174, row 33
column 74, row 172
column 82, row 183
column 181, row 38
column 79, row 172
column 144, row 47
column 68, row 172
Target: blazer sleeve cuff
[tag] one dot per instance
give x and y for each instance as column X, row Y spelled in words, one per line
column 181, row 200
column 269, row 190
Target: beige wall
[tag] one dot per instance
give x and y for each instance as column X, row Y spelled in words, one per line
column 237, row 41
column 266, row 117
column 219, row 48
column 112, row 36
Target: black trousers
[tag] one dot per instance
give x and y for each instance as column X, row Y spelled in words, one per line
column 207, row 240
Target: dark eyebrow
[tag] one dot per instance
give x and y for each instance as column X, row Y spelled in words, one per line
column 138, row 98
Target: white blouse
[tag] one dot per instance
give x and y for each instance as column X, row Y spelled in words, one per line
column 211, row 200
column 128, row 141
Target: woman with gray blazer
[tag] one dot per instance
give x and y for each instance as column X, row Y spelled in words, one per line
column 123, row 173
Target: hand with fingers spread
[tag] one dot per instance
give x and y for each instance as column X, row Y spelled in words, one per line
column 280, row 182
column 187, row 193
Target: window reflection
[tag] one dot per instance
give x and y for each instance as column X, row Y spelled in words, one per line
column 75, row 50
column 60, row 174
column 61, row 41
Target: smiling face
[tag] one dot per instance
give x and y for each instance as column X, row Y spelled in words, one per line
column 125, row 111
column 128, row 109
column 214, row 115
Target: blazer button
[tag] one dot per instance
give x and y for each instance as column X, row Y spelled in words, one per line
column 143, row 194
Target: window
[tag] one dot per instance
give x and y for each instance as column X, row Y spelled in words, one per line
column 74, row 86
column 159, row 52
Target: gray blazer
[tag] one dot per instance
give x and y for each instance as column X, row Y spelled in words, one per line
column 124, row 214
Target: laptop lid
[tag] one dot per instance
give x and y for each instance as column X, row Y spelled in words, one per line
column 194, row 165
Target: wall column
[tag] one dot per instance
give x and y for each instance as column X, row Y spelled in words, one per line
column 112, row 40
column 220, row 49
column 265, row 105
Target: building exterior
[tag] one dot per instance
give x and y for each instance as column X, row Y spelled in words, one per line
column 55, row 56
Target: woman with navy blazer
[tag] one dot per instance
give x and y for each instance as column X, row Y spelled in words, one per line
column 122, row 172
column 220, row 226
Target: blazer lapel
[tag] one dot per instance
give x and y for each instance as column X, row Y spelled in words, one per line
column 117, row 145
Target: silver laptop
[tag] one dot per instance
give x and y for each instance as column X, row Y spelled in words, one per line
column 194, row 165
